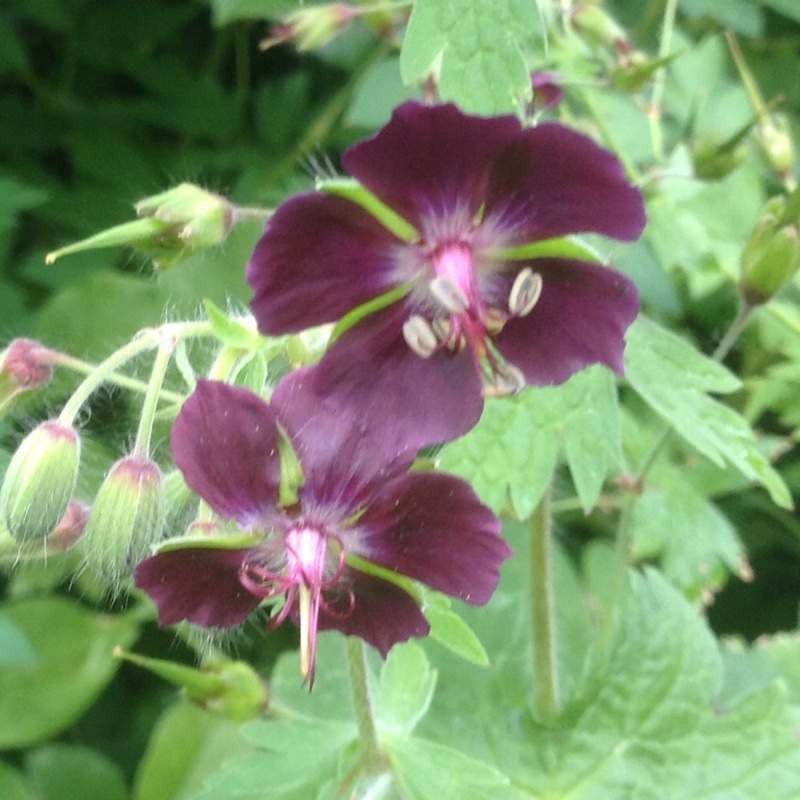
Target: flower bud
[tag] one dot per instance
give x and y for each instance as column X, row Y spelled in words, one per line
column 775, row 139
column 127, row 517
column 40, row 481
column 172, row 226
column 714, row 160
column 25, row 364
column 70, row 528
column 597, row 27
column 772, row 254
column 547, row 91
column 311, row 28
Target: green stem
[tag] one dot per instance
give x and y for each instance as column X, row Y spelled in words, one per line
column 145, row 340
column 654, row 117
column 153, row 395
column 372, row 758
column 545, row 654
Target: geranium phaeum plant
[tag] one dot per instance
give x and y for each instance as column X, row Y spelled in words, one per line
column 329, row 521
column 450, row 256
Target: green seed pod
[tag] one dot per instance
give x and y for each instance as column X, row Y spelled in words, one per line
column 40, row 481
column 127, row 518
column 775, row 139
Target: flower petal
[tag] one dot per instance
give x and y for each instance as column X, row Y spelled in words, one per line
column 339, row 461
column 375, row 381
column 198, row 584
column 383, row 614
column 580, row 319
column 432, row 527
column 320, row 256
column 429, row 161
column 553, row 181
column 225, row 441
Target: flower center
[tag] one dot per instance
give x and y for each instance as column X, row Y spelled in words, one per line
column 461, row 316
column 313, row 561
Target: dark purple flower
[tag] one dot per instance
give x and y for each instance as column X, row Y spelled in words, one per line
column 313, row 536
column 475, row 314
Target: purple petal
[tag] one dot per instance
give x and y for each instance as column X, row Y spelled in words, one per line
column 553, row 181
column 320, row 256
column 580, row 319
column 383, row 614
column 433, row 528
column 198, row 584
column 339, row 461
column 429, row 161
column 373, row 380
column 225, row 442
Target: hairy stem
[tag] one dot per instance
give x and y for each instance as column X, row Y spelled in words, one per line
column 654, row 117
column 372, row 758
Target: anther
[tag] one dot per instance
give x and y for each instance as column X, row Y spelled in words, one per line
column 525, row 292
column 508, row 380
column 494, row 320
column 449, row 294
column 419, row 336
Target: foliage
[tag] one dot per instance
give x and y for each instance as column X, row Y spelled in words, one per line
column 675, row 545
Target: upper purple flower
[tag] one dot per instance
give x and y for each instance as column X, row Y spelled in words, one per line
column 315, row 531
column 475, row 315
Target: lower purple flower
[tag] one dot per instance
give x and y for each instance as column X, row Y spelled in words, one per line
column 331, row 520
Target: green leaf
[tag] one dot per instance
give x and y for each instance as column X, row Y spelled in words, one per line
column 476, row 50
column 645, row 718
column 187, row 745
column 450, row 630
column 431, row 771
column 512, row 452
column 406, row 686
column 68, row 772
column 15, row 648
column 13, row 785
column 74, row 663
column 673, row 378
column 786, row 7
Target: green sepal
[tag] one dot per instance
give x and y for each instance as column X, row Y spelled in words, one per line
column 231, row 688
column 233, row 332
column 355, row 315
column 236, row 540
column 292, row 477
column 635, row 75
column 559, row 247
column 147, row 232
column 352, row 190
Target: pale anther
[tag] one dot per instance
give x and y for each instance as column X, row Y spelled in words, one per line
column 419, row 336
column 494, row 320
column 449, row 294
column 508, row 380
column 525, row 292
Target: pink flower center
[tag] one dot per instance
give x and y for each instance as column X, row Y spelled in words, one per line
column 314, row 562
column 459, row 315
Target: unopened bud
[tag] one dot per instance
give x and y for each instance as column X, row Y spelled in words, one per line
column 127, row 517
column 775, row 139
column 547, row 91
column 311, row 28
column 597, row 27
column 40, row 481
column 70, row 528
column 766, row 269
column 714, row 160
column 25, row 364
column 172, row 226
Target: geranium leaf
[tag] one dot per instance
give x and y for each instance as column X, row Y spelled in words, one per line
column 512, row 452
column 474, row 48
column 674, row 378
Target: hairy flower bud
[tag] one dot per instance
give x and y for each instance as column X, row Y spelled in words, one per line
column 25, row 364
column 39, row 483
column 597, row 27
column 127, row 517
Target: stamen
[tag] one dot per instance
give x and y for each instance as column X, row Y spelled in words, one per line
column 508, row 380
column 525, row 292
column 419, row 336
column 449, row 294
column 494, row 320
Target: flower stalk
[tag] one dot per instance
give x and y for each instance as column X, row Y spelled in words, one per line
column 372, row 758
column 545, row 651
